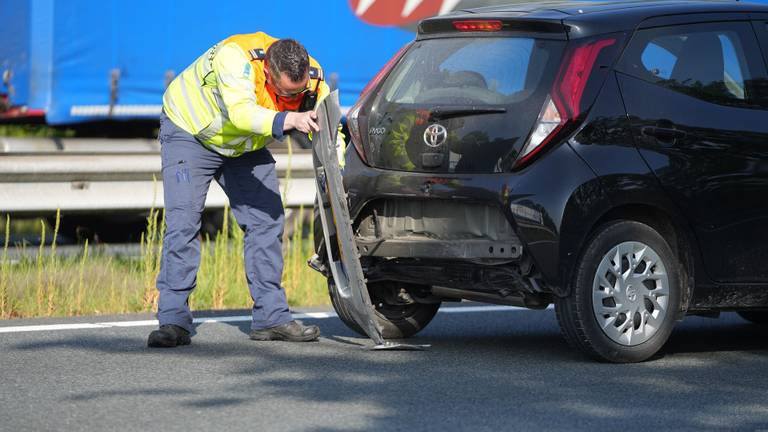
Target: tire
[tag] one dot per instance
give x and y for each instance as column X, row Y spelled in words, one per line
column 626, row 318
column 397, row 321
column 755, row 317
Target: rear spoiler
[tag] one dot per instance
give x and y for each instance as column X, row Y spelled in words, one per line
column 491, row 25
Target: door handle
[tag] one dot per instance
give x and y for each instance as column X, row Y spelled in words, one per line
column 663, row 134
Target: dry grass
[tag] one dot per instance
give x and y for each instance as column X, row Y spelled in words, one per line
column 88, row 284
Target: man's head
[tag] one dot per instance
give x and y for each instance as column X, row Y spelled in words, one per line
column 287, row 68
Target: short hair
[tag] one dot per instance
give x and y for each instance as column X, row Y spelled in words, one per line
column 289, row 57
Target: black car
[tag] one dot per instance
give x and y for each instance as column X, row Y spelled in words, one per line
column 608, row 158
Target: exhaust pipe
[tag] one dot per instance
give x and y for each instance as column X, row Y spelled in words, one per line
column 501, row 298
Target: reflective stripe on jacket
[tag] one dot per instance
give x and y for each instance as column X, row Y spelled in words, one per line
column 221, row 98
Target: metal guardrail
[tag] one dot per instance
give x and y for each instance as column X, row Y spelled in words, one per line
column 39, row 175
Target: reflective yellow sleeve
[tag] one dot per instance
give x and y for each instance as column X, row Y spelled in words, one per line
column 234, row 75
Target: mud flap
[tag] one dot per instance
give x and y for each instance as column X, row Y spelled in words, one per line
column 337, row 226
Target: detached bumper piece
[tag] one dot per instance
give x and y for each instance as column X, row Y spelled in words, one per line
column 344, row 263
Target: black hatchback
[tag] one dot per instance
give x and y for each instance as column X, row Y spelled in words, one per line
column 608, row 158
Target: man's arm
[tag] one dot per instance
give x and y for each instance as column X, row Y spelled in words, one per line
column 304, row 121
column 234, row 74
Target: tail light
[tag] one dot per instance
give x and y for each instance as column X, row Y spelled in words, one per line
column 477, row 25
column 353, row 120
column 562, row 107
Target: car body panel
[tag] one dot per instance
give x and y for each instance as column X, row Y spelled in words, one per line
column 606, row 169
column 711, row 160
column 534, row 201
column 334, row 216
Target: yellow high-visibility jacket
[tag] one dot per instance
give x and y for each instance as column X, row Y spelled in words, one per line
column 221, row 98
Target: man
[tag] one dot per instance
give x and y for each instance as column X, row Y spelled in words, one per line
column 218, row 117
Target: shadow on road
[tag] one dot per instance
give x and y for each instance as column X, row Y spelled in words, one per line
column 506, row 371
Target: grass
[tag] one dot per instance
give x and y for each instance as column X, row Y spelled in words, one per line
column 91, row 283
column 33, row 130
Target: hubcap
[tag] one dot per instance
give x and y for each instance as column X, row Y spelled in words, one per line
column 630, row 293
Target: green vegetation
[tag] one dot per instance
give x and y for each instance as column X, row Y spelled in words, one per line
column 92, row 283
column 32, row 130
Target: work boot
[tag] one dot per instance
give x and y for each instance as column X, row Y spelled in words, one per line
column 293, row 331
column 168, row 336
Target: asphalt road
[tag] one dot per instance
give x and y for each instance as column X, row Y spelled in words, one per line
column 485, row 370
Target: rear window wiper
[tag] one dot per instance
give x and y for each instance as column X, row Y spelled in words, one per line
column 443, row 112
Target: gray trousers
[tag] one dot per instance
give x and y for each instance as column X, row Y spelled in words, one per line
column 250, row 182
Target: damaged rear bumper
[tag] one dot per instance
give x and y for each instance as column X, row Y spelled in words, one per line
column 437, row 229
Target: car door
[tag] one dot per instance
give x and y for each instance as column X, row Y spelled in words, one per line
column 693, row 96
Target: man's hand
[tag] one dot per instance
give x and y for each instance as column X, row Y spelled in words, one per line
column 301, row 121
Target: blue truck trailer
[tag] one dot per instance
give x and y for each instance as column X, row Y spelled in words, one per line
column 75, row 61
column 100, row 67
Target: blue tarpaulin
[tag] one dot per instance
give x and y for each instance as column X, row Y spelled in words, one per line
column 80, row 60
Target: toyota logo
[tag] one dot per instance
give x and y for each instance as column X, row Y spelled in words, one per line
column 435, row 135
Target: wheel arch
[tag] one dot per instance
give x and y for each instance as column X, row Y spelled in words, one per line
column 671, row 227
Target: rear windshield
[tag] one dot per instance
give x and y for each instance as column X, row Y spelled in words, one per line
column 510, row 76
column 488, row 71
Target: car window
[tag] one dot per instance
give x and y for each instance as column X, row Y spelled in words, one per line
column 460, row 73
column 658, row 60
column 482, row 57
column 732, row 65
column 493, row 71
column 706, row 61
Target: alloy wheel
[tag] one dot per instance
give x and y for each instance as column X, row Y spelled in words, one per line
column 630, row 293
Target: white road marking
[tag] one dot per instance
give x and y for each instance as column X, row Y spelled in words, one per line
column 49, row 327
column 224, row 319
